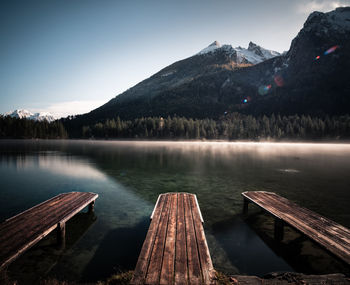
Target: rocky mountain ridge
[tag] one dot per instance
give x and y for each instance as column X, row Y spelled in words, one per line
column 254, row 54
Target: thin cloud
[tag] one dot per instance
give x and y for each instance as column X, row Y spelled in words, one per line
column 320, row 6
column 64, row 109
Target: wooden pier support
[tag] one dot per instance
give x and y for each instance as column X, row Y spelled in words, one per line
column 91, row 207
column 245, row 206
column 279, row 229
column 61, row 234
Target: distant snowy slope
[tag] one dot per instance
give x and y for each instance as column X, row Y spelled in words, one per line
column 25, row 114
column 43, row 116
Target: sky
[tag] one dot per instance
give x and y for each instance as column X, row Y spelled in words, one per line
column 71, row 56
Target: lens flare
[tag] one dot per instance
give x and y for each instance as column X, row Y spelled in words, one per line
column 330, row 50
column 264, row 89
column 279, row 80
column 246, row 100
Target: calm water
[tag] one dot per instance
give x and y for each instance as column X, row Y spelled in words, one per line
column 128, row 176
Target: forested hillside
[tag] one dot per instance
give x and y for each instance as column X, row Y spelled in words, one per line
column 230, row 127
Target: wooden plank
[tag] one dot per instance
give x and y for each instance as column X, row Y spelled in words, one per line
column 15, row 237
column 181, row 269
column 22, row 231
column 34, row 212
column 76, row 210
column 194, row 268
column 175, row 250
column 292, row 211
column 19, row 234
column 155, row 265
column 322, row 231
column 332, row 236
column 37, row 213
column 298, row 216
column 20, row 239
column 38, row 206
column 316, row 220
column 147, row 247
column 205, row 259
column 168, row 266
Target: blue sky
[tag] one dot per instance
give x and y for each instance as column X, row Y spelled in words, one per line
column 70, row 56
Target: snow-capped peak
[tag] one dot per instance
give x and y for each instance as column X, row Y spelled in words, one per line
column 212, row 47
column 20, row 114
column 253, row 54
column 25, row 114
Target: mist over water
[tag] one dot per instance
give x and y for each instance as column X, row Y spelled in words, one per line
column 129, row 176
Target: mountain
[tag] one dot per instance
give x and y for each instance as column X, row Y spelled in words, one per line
column 25, row 114
column 311, row 78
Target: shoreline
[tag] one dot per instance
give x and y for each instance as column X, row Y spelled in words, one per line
column 273, row 278
column 181, row 140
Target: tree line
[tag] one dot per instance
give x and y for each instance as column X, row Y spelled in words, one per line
column 230, row 127
column 28, row 129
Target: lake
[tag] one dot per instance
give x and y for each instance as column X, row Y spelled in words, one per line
column 129, row 176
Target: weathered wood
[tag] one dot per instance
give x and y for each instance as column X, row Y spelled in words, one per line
column 175, row 250
column 33, row 214
column 181, row 269
column 194, row 269
column 332, row 236
column 158, row 248
column 19, row 233
column 203, row 249
column 146, row 251
column 167, row 273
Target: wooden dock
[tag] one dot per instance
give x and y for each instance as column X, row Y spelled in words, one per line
column 175, row 250
column 330, row 235
column 22, row 231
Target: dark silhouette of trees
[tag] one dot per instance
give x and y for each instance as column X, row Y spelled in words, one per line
column 233, row 126
column 28, row 129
